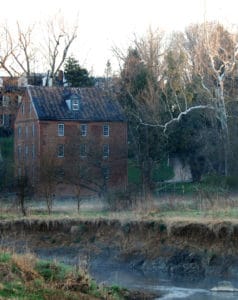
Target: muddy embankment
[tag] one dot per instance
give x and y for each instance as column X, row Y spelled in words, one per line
column 179, row 250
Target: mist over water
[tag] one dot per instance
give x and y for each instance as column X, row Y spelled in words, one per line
column 177, row 293
column 153, row 282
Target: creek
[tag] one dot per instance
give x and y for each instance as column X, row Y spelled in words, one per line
column 179, row 261
column 105, row 270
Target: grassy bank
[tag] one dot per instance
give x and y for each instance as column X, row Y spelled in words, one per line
column 26, row 277
column 194, row 207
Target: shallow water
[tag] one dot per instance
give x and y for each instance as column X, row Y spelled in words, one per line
column 173, row 292
column 105, row 270
column 152, row 282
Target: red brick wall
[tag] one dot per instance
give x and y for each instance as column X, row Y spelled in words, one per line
column 27, row 139
column 46, row 139
column 94, row 141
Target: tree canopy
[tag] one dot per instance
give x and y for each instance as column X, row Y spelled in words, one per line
column 180, row 95
column 75, row 75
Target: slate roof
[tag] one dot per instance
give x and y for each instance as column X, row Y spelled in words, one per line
column 95, row 104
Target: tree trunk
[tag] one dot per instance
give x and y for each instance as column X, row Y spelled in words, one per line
column 23, row 209
column 222, row 116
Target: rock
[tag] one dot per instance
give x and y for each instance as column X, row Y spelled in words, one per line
column 224, row 286
column 185, row 265
column 74, row 229
column 140, row 295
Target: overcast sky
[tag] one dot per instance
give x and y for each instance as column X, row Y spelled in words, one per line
column 105, row 23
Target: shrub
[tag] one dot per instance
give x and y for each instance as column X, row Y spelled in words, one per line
column 118, row 201
column 51, row 271
column 215, row 180
column 162, row 227
column 162, row 172
column 5, row 257
column 134, row 173
column 232, row 182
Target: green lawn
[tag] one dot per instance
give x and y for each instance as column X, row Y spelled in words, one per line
column 6, row 145
column 160, row 172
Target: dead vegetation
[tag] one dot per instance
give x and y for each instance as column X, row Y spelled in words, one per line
column 26, row 277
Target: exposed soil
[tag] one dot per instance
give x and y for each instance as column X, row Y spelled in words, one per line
column 182, row 250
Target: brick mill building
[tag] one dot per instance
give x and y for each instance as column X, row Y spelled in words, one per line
column 79, row 134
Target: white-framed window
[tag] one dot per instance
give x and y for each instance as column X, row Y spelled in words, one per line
column 19, row 172
column 26, row 151
column 60, row 150
column 26, row 131
column 84, row 129
column 60, row 129
column 105, row 130
column 75, row 104
column 33, row 174
column 19, row 151
column 5, row 100
column 33, row 129
column 82, row 150
column 6, row 119
column 60, row 173
column 106, row 172
column 19, row 99
column 19, row 131
column 105, row 150
column 33, row 151
column 22, row 108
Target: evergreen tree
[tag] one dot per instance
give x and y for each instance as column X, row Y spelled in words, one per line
column 75, row 75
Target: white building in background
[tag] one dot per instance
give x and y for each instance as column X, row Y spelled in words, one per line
column 182, row 171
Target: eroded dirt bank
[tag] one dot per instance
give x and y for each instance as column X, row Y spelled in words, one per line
column 180, row 250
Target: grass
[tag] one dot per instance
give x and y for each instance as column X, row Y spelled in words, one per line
column 210, row 198
column 51, row 271
column 160, row 172
column 6, row 145
column 134, row 173
column 170, row 207
column 26, row 277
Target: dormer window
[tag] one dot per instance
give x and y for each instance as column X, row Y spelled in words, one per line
column 75, row 99
column 73, row 102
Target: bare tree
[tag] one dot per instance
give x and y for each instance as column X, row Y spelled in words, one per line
column 23, row 191
column 20, row 47
column 190, row 77
column 58, row 43
column 48, row 178
column 26, row 50
column 18, row 51
column 6, row 48
column 85, row 167
column 213, row 52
